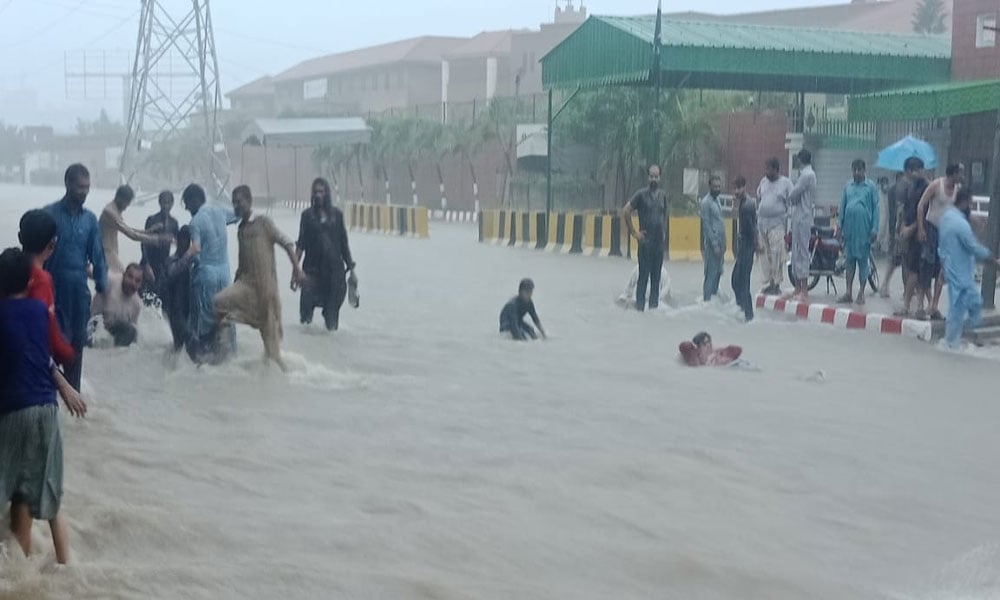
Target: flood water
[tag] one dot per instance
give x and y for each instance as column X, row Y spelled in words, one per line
column 415, row 454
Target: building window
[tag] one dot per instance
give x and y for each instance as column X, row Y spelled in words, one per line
column 533, row 62
column 385, row 81
column 986, row 34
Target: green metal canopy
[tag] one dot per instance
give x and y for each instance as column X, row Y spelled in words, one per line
column 926, row 102
column 619, row 51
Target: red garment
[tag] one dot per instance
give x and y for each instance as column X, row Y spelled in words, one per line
column 719, row 358
column 40, row 288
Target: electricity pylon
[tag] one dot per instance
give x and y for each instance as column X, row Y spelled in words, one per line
column 175, row 95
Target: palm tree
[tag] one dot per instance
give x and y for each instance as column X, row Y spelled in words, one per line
column 929, row 17
column 464, row 140
column 330, row 159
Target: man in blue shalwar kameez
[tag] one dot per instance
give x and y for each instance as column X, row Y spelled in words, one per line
column 859, row 227
column 79, row 246
column 959, row 249
column 210, row 275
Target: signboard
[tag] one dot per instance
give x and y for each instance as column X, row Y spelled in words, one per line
column 314, row 89
column 532, row 140
column 692, row 179
column 112, row 157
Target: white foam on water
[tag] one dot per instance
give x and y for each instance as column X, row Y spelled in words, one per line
column 974, row 575
column 305, row 373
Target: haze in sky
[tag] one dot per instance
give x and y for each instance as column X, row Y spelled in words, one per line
column 39, row 38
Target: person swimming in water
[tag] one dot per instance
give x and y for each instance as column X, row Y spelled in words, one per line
column 700, row 352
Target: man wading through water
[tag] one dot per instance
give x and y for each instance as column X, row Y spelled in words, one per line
column 651, row 205
column 79, row 245
column 323, row 241
column 253, row 299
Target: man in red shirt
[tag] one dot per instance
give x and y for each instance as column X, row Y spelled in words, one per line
column 38, row 239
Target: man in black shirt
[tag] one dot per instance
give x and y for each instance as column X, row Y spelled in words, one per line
column 909, row 247
column 156, row 256
column 323, row 241
column 896, row 200
column 512, row 315
column 650, row 203
column 747, row 244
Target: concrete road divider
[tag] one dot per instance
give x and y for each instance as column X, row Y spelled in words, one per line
column 591, row 234
column 409, row 221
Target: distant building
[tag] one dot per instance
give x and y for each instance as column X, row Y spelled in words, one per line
column 478, row 69
column 975, row 43
column 975, row 56
column 890, row 16
column 255, row 99
column 528, row 47
column 395, row 75
column 418, row 73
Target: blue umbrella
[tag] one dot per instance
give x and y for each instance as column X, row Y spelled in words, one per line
column 894, row 156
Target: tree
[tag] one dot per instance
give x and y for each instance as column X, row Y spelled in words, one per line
column 331, row 159
column 11, row 146
column 617, row 122
column 929, row 17
column 102, row 126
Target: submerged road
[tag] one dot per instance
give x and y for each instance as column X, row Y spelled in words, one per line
column 415, row 454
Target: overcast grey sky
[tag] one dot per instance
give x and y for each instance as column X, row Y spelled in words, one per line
column 255, row 37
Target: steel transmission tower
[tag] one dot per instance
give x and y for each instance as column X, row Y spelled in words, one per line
column 175, row 98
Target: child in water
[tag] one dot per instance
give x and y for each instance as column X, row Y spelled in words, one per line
column 512, row 315
column 700, row 352
column 31, row 457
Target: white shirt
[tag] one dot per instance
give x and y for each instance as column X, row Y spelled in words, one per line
column 114, row 306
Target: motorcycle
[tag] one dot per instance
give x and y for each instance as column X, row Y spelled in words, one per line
column 827, row 260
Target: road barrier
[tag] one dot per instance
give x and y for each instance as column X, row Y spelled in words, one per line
column 685, row 239
column 590, row 234
column 565, row 233
column 454, row 216
column 410, row 221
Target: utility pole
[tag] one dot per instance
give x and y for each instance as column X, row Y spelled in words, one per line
column 993, row 220
column 657, row 75
column 175, row 92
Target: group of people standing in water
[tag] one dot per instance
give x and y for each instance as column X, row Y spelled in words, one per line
column 47, row 309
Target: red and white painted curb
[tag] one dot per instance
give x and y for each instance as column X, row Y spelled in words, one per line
column 846, row 318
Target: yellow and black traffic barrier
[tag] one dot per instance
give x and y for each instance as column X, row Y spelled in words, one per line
column 591, row 234
column 408, row 221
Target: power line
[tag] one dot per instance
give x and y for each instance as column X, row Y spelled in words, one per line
column 93, row 41
column 50, row 25
column 116, row 9
column 272, row 42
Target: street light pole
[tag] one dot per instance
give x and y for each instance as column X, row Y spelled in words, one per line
column 993, row 221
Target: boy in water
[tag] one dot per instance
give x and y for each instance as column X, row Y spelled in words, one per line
column 512, row 315
column 30, row 441
column 38, row 241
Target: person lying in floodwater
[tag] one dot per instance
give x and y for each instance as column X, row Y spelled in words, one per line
column 700, row 352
